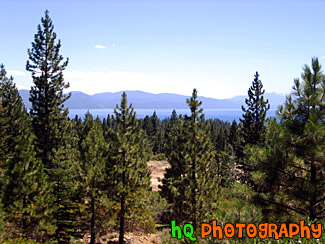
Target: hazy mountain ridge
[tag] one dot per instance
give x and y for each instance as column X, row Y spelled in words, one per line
column 145, row 100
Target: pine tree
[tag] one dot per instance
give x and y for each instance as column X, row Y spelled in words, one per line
column 201, row 159
column 219, row 133
column 170, row 133
column 92, row 169
column 153, row 127
column 253, row 127
column 226, row 168
column 47, row 98
column 56, row 140
column 4, row 120
column 3, row 151
column 65, row 194
column 146, row 125
column 255, row 114
column 156, row 136
column 23, row 177
column 130, row 172
column 192, row 179
column 291, row 174
column 221, row 140
column 172, row 187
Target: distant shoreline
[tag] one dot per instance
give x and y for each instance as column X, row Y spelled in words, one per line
column 145, row 100
column 222, row 114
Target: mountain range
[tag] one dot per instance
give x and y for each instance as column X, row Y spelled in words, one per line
column 145, row 100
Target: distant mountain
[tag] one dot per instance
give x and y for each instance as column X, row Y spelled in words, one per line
column 145, row 100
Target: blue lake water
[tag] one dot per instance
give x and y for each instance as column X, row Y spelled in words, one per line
column 222, row 114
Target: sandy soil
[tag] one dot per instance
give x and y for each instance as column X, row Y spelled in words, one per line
column 130, row 238
column 157, row 169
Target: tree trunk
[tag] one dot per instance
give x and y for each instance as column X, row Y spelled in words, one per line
column 122, row 213
column 313, row 196
column 92, row 222
column 24, row 219
column 194, row 196
column 194, row 220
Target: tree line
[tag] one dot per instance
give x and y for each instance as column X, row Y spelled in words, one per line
column 62, row 179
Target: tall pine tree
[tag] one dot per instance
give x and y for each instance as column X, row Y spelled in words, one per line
column 291, row 166
column 55, row 137
column 200, row 158
column 193, row 177
column 253, row 127
column 255, row 114
column 130, row 173
column 47, row 98
column 3, row 151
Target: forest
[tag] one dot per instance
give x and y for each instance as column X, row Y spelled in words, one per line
column 78, row 180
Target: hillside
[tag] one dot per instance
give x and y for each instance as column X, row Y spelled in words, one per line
column 145, row 100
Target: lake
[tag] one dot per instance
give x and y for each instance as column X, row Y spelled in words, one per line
column 222, row 114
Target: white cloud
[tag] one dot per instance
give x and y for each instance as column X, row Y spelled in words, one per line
column 323, row 57
column 100, row 46
column 15, row 73
column 113, row 45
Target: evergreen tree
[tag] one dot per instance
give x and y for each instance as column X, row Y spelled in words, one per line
column 4, row 120
column 253, row 127
column 47, row 98
column 77, row 121
column 214, row 133
column 92, row 168
column 255, row 113
column 3, row 151
column 192, row 179
column 226, row 168
column 152, row 127
column 146, row 125
column 56, row 140
column 130, row 173
column 171, row 131
column 157, row 134
column 291, row 175
column 22, row 173
column 235, row 138
column 219, row 131
column 173, row 188
column 201, row 175
column 65, row 195
column 221, row 140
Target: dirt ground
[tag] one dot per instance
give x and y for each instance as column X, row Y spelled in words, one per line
column 157, row 169
column 129, row 238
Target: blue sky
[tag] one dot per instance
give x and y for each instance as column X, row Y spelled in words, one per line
column 170, row 46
